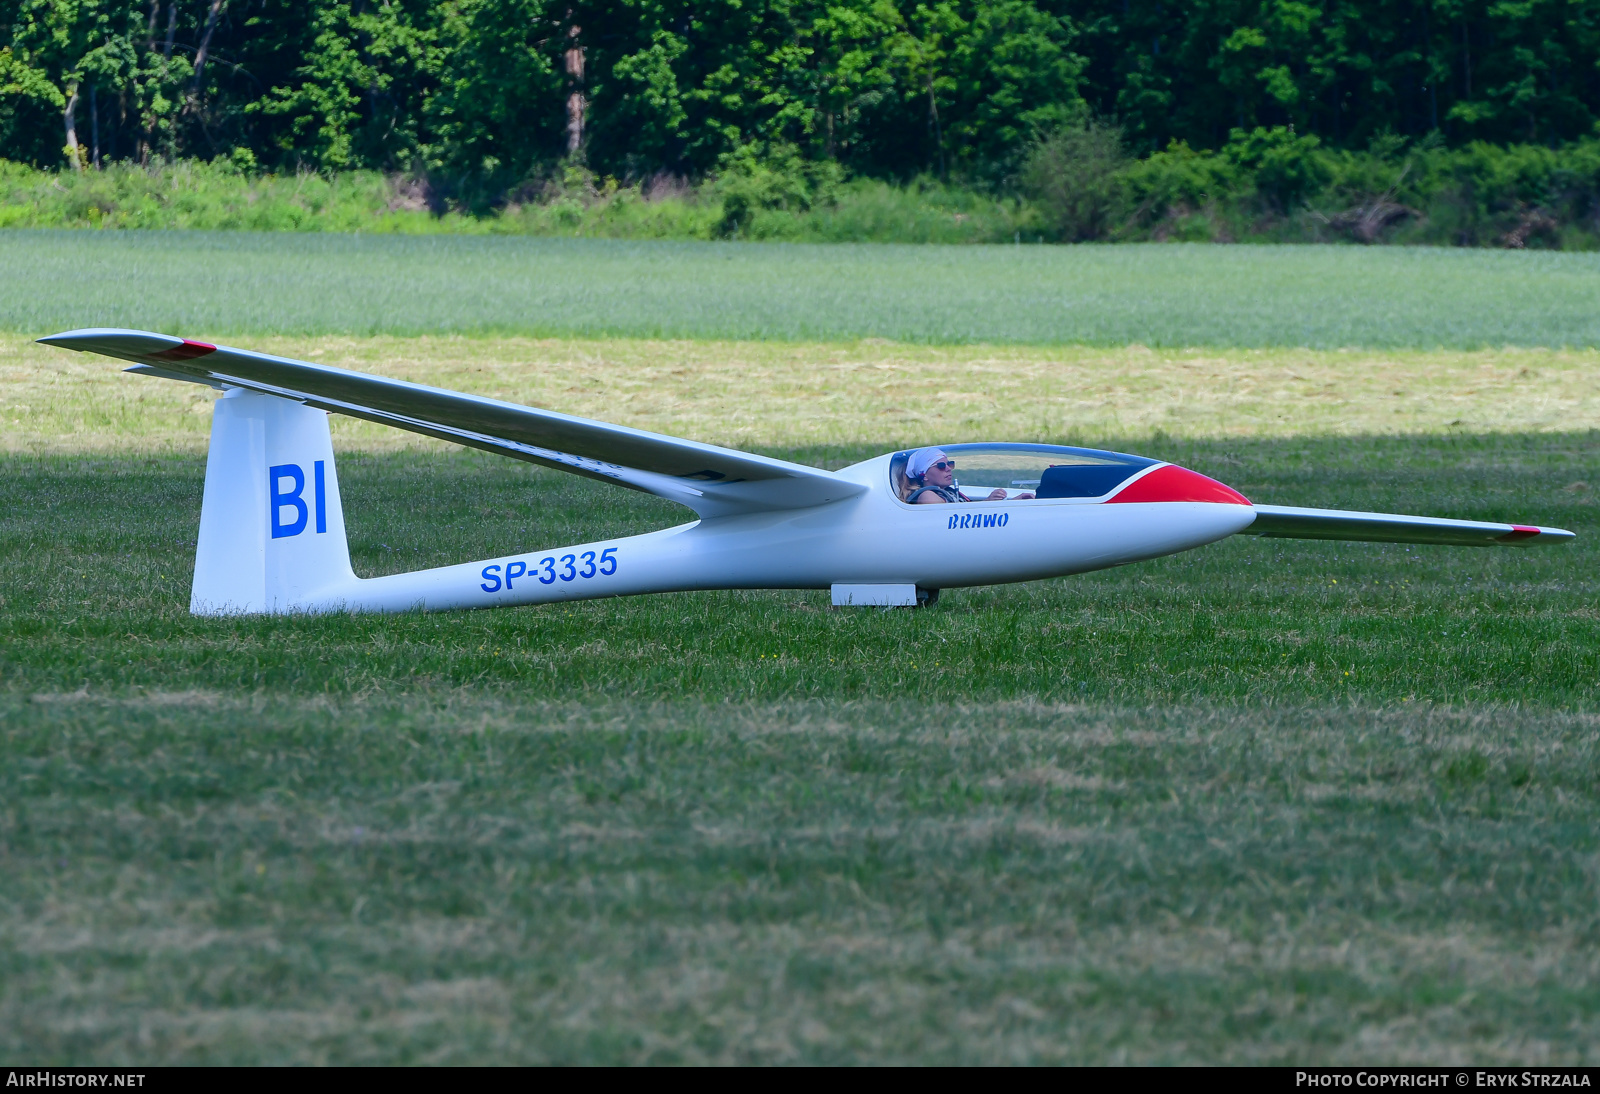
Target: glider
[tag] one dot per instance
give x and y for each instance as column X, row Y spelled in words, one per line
column 272, row 533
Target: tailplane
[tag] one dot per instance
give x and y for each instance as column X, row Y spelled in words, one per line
column 272, row 526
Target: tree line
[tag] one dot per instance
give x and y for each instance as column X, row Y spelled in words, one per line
column 484, row 95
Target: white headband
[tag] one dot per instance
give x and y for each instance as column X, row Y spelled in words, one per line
column 922, row 459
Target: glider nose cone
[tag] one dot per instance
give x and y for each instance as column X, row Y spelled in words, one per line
column 1170, row 482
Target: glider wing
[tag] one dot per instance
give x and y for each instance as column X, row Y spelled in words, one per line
column 1283, row 522
column 711, row 480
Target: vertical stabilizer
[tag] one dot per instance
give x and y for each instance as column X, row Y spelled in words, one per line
column 272, row 526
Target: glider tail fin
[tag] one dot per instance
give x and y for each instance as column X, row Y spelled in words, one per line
column 271, row 527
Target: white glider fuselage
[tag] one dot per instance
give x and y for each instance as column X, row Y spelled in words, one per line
column 870, row 539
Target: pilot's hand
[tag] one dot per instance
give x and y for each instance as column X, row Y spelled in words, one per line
column 1023, row 497
column 997, row 495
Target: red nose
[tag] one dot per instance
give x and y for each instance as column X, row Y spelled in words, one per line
column 1174, row 483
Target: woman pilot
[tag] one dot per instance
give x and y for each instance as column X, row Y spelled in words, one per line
column 932, row 476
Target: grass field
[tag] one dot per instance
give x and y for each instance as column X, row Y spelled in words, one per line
column 1263, row 802
column 231, row 283
column 791, row 395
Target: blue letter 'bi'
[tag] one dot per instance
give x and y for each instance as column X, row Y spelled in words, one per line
column 281, row 500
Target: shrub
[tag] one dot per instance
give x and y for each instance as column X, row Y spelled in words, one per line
column 1077, row 184
column 1284, row 167
column 1074, row 178
column 1170, row 193
column 923, row 211
column 753, row 179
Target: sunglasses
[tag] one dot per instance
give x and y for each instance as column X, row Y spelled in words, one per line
column 945, row 465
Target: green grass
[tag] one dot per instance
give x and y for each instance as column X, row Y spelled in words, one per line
column 194, row 195
column 210, row 285
column 213, row 196
column 1142, row 815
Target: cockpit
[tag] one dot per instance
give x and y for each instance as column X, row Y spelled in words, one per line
column 1021, row 472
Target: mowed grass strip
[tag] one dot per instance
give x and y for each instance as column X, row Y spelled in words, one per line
column 215, row 284
column 858, row 395
column 456, row 877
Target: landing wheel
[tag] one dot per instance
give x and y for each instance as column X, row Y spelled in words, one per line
column 927, row 598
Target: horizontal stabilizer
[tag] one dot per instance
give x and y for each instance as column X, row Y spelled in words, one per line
column 1284, row 522
column 711, row 480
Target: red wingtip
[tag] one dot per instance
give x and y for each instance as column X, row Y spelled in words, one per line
column 1174, row 483
column 186, row 352
column 1519, row 531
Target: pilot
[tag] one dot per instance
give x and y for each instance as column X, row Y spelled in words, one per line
column 933, row 479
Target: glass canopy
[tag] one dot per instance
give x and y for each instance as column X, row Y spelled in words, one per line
column 1027, row 471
